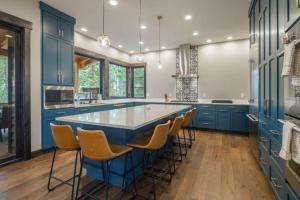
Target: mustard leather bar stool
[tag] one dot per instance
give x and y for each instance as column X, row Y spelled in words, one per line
column 174, row 135
column 186, row 121
column 95, row 147
column 150, row 144
column 194, row 113
column 65, row 140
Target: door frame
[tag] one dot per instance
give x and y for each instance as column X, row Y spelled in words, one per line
column 23, row 116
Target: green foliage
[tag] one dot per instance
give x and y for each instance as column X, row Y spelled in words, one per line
column 89, row 77
column 3, row 79
column 139, row 82
column 117, row 81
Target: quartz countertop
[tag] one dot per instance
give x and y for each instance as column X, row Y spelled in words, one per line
column 130, row 118
column 162, row 100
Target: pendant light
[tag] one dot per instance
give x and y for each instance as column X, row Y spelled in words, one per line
column 103, row 40
column 159, row 65
column 140, row 57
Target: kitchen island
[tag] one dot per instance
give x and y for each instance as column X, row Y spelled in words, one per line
column 120, row 126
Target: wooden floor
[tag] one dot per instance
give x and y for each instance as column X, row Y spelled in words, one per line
column 219, row 167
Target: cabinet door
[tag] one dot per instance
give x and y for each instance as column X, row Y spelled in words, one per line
column 66, row 63
column 223, row 119
column 67, row 30
column 50, row 24
column 239, row 121
column 273, row 89
column 293, row 10
column 280, row 24
column 50, row 60
column 280, row 104
column 47, row 139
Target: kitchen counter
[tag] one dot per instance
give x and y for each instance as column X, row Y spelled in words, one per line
column 161, row 100
column 130, row 118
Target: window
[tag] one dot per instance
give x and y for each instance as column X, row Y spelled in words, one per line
column 3, row 79
column 88, row 77
column 138, row 82
column 117, row 81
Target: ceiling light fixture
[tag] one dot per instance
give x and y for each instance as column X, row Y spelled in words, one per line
column 188, row 17
column 114, row 2
column 209, row 41
column 163, row 47
column 120, row 46
column 147, row 49
column 195, row 34
column 140, row 58
column 143, row 27
column 229, row 38
column 84, row 29
column 103, row 40
column 131, row 51
column 159, row 65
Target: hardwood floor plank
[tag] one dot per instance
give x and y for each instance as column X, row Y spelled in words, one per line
column 218, row 167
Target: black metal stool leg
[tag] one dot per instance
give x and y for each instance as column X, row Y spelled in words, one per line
column 152, row 175
column 185, row 143
column 74, row 175
column 79, row 178
column 190, row 138
column 51, row 170
column 125, row 172
column 133, row 174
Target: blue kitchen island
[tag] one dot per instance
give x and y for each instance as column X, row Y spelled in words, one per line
column 120, row 126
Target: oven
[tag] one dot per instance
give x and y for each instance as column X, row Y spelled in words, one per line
column 58, row 97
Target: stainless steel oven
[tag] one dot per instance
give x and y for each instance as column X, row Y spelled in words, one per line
column 58, row 97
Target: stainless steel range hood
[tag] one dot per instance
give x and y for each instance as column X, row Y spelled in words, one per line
column 185, row 62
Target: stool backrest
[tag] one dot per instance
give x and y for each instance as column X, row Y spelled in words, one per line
column 64, row 137
column 187, row 118
column 176, row 126
column 194, row 112
column 159, row 137
column 94, row 144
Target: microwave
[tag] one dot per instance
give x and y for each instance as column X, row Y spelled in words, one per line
column 58, row 97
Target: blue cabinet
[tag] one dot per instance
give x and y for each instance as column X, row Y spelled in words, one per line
column 57, row 47
column 239, row 121
column 292, row 11
column 290, row 194
column 223, row 120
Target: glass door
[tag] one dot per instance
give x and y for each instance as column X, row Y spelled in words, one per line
column 9, row 56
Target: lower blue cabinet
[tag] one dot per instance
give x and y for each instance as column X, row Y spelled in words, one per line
column 223, row 120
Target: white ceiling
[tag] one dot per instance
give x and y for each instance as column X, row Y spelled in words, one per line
column 213, row 19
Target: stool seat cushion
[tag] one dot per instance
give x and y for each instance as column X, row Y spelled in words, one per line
column 119, row 150
column 140, row 142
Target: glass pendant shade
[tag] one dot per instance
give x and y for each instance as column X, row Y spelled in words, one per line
column 103, row 40
column 140, row 58
column 159, row 65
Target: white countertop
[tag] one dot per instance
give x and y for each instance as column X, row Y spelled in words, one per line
column 127, row 118
column 162, row 100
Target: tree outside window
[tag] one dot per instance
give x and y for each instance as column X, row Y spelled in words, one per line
column 139, row 82
column 3, row 79
column 117, row 81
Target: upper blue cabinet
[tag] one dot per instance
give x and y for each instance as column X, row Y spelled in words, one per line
column 57, row 47
column 292, row 12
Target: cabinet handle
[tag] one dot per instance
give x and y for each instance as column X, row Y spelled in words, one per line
column 62, row 78
column 59, row 32
column 274, row 132
column 273, row 182
column 62, row 33
column 205, row 113
column 298, row 3
column 60, row 112
column 58, row 78
column 205, row 123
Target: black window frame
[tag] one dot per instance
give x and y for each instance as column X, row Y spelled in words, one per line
column 132, row 81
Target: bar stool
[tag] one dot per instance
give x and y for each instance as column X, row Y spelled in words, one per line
column 186, row 121
column 174, row 135
column 194, row 113
column 95, row 147
column 65, row 140
column 150, row 144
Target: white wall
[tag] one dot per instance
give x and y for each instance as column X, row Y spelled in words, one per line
column 29, row 10
column 224, row 70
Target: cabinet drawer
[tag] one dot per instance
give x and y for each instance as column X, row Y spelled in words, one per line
column 206, row 114
column 206, row 107
column 275, row 133
column 52, row 114
column 240, row 109
column 264, row 161
column 207, row 124
column 264, row 139
column 223, row 108
column 275, row 149
column 276, row 181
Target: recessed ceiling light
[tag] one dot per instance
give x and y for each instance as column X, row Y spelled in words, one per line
column 195, row 34
column 143, row 27
column 131, row 51
column 120, row 46
column 84, row 29
column 113, row 2
column 209, row 41
column 229, row 38
column 188, row 17
column 8, row 36
column 163, row 47
column 147, row 49
column 141, row 42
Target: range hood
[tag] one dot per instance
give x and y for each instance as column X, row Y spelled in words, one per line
column 185, row 63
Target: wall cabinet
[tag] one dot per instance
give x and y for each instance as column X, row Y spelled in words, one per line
column 292, row 11
column 57, row 47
